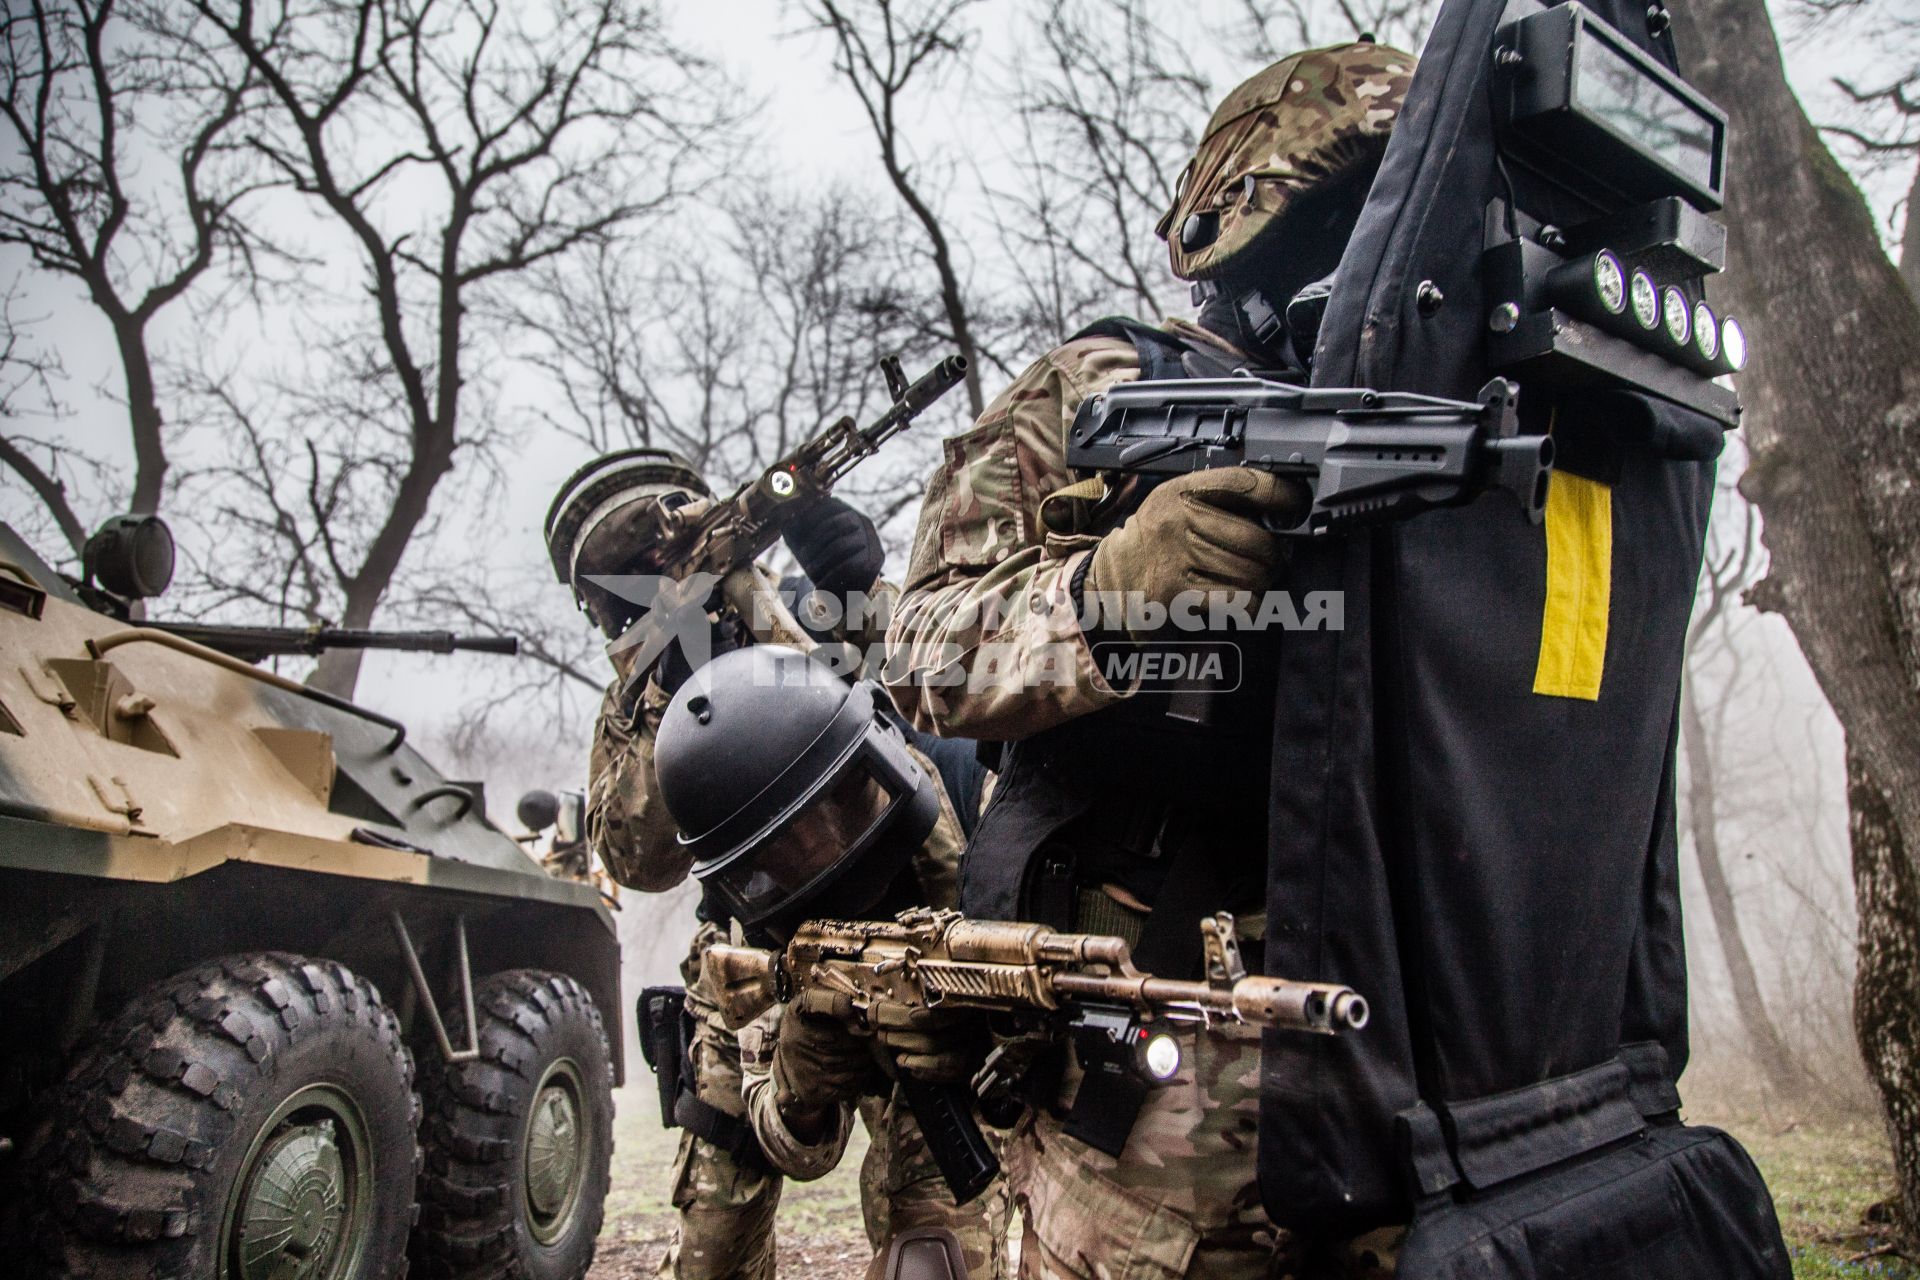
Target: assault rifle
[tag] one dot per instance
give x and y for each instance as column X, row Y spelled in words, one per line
column 1366, row 456
column 865, row 972
column 255, row 644
column 725, row 538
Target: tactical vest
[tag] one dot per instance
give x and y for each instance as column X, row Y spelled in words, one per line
column 1173, row 813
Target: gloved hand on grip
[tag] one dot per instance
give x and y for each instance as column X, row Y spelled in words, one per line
column 838, row 547
column 1198, row 532
column 940, row 1046
column 817, row 1065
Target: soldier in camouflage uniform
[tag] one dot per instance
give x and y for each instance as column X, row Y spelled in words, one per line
column 726, row 1193
column 804, row 1075
column 988, row 642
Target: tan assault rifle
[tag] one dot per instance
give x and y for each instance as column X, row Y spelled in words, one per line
column 867, row 973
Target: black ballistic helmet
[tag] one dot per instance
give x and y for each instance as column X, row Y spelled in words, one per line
column 792, row 789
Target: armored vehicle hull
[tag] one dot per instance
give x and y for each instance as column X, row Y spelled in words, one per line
column 279, row 1000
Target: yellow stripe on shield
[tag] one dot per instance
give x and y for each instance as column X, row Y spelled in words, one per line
column 1573, row 630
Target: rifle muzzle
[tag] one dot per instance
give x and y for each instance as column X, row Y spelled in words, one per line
column 933, row 384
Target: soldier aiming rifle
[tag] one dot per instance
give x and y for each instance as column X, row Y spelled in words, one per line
column 626, row 533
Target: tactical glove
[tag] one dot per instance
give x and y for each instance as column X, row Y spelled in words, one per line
column 675, row 665
column 941, row 1046
column 1198, row 532
column 838, row 548
column 817, row 1064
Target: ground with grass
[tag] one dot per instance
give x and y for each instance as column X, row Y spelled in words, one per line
column 819, row 1228
column 1825, row 1172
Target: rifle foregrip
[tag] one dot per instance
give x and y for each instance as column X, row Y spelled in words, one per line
column 945, row 1113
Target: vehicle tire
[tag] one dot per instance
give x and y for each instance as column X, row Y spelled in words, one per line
column 251, row 1117
column 518, row 1143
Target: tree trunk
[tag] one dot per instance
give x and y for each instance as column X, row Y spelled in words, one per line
column 1833, row 398
column 338, row 671
column 1910, row 236
column 1783, row 1075
column 143, row 411
column 1886, row 993
column 1833, row 423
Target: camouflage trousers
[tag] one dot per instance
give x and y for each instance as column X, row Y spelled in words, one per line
column 726, row 1209
column 1182, row 1201
column 901, row 1190
column 726, row 1228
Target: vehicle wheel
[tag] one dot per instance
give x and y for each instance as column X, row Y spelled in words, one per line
column 518, row 1143
column 253, row 1117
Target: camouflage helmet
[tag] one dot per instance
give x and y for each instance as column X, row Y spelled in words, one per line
column 590, row 516
column 1295, row 128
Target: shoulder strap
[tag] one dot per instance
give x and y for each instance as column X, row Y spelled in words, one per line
column 1163, row 355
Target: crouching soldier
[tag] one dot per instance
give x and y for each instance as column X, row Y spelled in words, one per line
column 599, row 527
column 800, row 798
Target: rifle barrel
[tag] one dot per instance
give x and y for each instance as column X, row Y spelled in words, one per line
column 919, row 394
column 253, row 644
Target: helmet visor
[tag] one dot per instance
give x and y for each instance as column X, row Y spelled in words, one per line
column 807, row 850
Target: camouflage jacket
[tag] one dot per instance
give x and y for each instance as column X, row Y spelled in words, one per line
column 627, row 825
column 986, row 642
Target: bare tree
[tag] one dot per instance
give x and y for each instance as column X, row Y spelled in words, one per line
column 1735, row 558
column 729, row 349
column 1895, row 141
column 780, row 316
column 1880, row 125
column 88, row 89
column 1109, row 106
column 880, row 48
column 28, row 374
column 1271, row 29
column 508, row 138
column 557, row 681
column 1831, row 425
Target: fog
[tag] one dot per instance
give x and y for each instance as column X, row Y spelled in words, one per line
column 1779, row 805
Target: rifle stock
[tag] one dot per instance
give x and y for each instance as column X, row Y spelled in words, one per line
column 1365, row 456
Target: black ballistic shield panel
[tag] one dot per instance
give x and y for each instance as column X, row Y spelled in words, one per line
column 1494, row 867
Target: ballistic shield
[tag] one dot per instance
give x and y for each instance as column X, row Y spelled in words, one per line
column 1472, row 782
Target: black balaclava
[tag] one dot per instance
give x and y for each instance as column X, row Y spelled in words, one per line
column 1247, row 305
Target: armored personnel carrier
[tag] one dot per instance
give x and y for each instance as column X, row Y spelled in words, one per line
column 278, row 1000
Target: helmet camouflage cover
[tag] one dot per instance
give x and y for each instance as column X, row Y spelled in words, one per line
column 590, row 526
column 605, row 486
column 1296, row 127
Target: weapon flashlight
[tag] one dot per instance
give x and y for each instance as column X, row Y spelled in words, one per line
column 1160, row 1056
